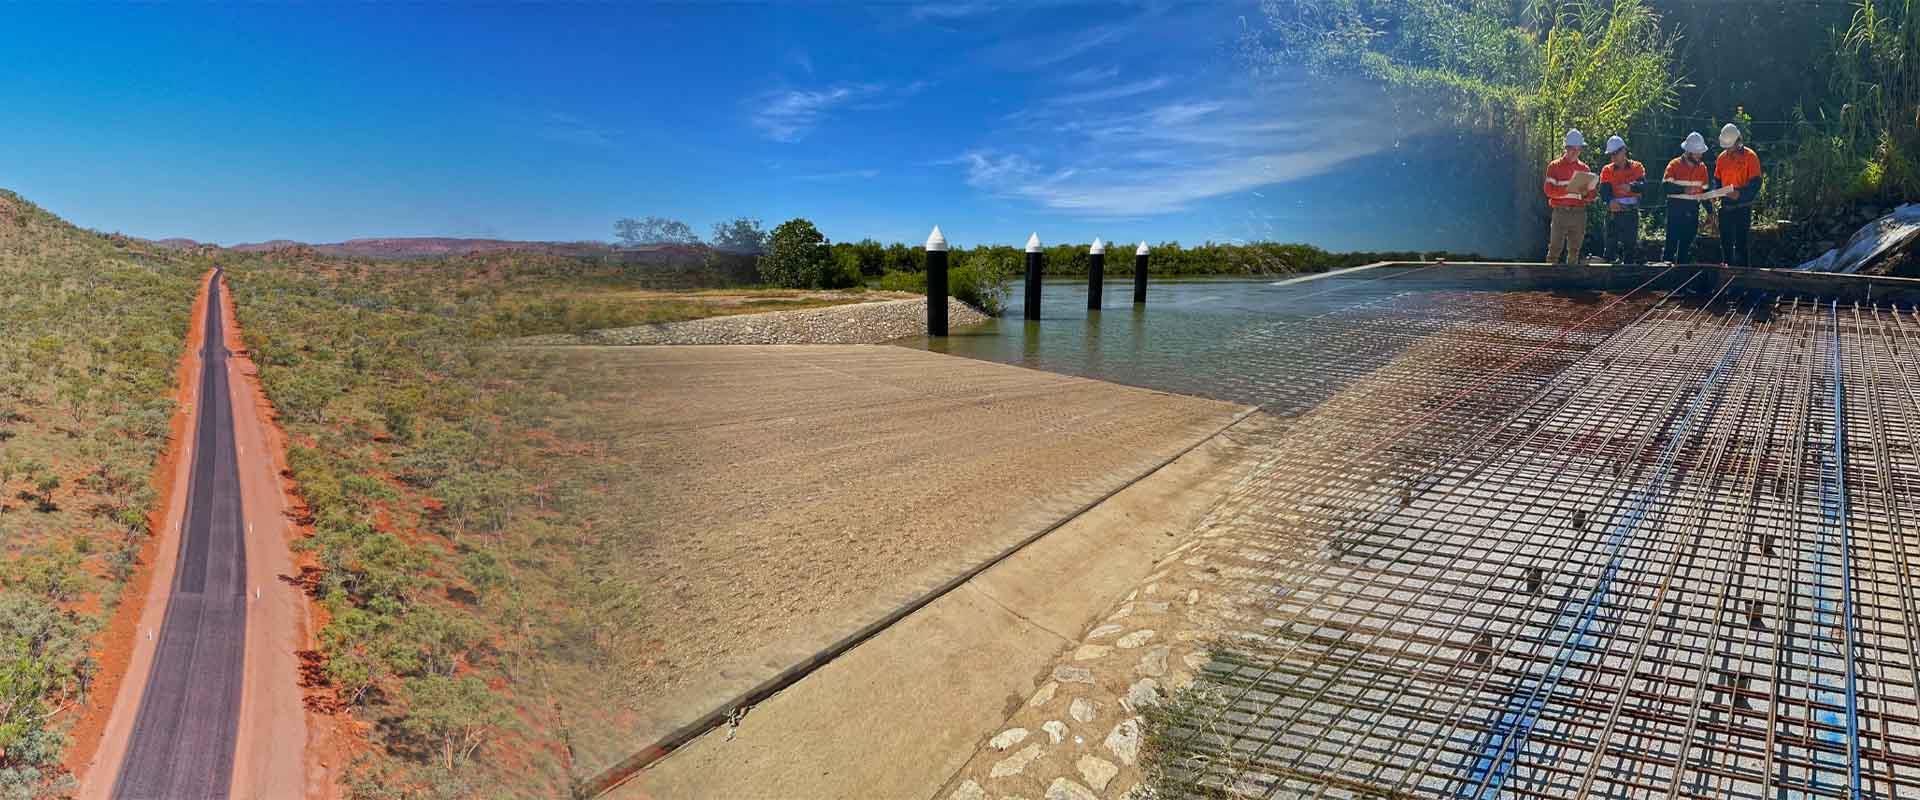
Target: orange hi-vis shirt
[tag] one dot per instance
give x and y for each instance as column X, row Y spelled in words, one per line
column 1736, row 168
column 1622, row 180
column 1687, row 175
column 1560, row 173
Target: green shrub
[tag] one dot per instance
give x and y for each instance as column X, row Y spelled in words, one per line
column 797, row 256
column 896, row 281
column 980, row 280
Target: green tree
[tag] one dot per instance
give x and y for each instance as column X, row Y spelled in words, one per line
column 454, row 715
column 653, row 230
column 739, row 235
column 797, row 256
column 1522, row 72
column 43, row 670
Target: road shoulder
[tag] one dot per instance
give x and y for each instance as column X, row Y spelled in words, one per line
column 273, row 758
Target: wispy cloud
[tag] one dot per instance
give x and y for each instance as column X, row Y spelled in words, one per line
column 947, row 12
column 842, row 175
column 1162, row 159
column 788, row 115
column 799, row 58
column 1112, row 92
column 1091, row 75
column 1038, row 52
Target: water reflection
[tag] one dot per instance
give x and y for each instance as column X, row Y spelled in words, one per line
column 1281, row 346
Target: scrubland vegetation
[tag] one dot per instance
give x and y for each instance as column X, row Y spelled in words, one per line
column 93, row 332
column 449, row 520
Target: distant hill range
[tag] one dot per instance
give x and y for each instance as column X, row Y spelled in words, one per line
column 406, row 247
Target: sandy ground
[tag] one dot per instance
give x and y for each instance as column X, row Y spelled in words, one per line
column 899, row 715
column 100, row 735
column 774, row 499
column 273, row 759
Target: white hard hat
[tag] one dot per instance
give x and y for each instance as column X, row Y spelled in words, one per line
column 1615, row 144
column 1729, row 135
column 1574, row 139
column 1695, row 143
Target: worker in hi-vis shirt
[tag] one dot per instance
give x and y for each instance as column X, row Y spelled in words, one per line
column 1686, row 174
column 1739, row 168
column 1569, row 207
column 1622, row 181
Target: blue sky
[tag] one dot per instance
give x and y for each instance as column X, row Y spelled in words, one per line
column 322, row 123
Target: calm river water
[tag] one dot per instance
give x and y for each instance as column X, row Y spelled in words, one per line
column 1281, row 345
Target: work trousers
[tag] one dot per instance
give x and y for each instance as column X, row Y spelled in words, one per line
column 1623, row 236
column 1735, row 224
column 1683, row 223
column 1568, row 231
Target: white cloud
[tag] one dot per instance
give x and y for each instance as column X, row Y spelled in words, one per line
column 1103, row 163
column 1045, row 50
column 1182, row 113
column 1092, row 75
column 847, row 174
column 947, row 12
column 788, row 115
column 1112, row 92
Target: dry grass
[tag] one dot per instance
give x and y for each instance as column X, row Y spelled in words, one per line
column 648, row 306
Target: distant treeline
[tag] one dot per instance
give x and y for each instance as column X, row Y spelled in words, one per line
column 1166, row 258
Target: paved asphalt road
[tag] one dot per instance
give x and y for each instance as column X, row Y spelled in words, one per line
column 183, row 740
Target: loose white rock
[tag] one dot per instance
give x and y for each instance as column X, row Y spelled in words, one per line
column 1098, row 771
column 1017, row 763
column 1144, row 692
column 1056, row 730
column 1104, row 631
column 1044, row 696
column 1089, row 652
column 1123, row 611
column 1066, row 674
column 1083, row 709
column 1063, row 789
column 1154, row 663
column 1124, row 741
column 968, row 791
column 1196, row 661
column 1008, row 738
column 1134, row 639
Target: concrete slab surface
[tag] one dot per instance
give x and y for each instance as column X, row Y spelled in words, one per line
column 897, row 716
column 789, row 495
